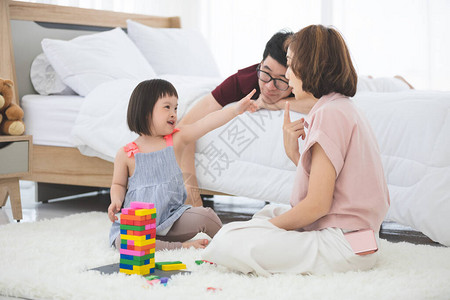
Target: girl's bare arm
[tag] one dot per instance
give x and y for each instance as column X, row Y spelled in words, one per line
column 194, row 131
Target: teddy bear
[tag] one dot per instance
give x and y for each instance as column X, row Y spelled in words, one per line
column 10, row 114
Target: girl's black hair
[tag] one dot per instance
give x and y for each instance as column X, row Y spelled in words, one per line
column 142, row 102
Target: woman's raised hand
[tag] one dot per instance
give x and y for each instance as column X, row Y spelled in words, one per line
column 292, row 131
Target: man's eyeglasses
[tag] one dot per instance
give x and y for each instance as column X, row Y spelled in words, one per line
column 266, row 77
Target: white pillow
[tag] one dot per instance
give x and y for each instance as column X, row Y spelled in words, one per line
column 173, row 50
column 45, row 80
column 90, row 60
column 381, row 84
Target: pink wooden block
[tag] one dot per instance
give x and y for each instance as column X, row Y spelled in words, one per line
column 126, row 211
column 130, row 242
column 142, row 205
column 154, row 281
column 132, row 252
column 150, row 226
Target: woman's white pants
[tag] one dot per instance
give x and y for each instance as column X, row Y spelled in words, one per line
column 260, row 247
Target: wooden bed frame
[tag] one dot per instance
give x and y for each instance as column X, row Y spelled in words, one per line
column 63, row 165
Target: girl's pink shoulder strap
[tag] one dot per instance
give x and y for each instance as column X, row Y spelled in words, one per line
column 169, row 137
column 131, row 149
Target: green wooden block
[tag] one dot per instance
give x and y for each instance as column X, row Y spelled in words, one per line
column 144, row 257
column 132, row 227
column 132, row 262
column 159, row 265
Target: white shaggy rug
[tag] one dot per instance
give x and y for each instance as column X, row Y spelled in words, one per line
column 51, row 258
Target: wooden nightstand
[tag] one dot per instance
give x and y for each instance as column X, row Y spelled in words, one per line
column 15, row 162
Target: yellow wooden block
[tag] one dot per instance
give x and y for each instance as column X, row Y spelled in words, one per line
column 152, row 263
column 129, row 272
column 138, row 272
column 136, row 238
column 144, row 243
column 145, row 212
column 142, row 268
column 173, row 267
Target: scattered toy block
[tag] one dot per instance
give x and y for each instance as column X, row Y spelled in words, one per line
column 200, row 262
column 153, row 281
column 164, row 279
column 159, row 264
column 173, row 267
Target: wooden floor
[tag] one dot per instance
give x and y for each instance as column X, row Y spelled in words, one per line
column 229, row 209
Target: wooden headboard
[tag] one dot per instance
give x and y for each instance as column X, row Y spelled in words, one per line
column 16, row 55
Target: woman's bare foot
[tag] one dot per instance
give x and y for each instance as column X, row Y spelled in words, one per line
column 404, row 80
column 197, row 244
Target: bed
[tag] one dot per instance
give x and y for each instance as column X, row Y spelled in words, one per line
column 244, row 157
column 55, row 162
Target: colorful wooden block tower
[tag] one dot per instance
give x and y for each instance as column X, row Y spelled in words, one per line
column 138, row 233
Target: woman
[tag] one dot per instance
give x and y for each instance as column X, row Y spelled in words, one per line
column 339, row 186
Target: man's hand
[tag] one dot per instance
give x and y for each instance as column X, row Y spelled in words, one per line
column 292, row 131
column 261, row 103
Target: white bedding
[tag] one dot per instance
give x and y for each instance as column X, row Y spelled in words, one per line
column 246, row 157
column 413, row 131
column 50, row 119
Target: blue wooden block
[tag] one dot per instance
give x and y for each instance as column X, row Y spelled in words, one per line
column 123, row 231
column 124, row 256
column 127, row 267
column 125, row 246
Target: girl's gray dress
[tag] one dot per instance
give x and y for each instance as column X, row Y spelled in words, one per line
column 157, row 179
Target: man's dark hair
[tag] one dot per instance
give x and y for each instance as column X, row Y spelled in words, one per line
column 275, row 46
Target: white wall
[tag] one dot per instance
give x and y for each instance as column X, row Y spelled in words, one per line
column 406, row 37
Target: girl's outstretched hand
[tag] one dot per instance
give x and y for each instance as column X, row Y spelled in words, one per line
column 246, row 104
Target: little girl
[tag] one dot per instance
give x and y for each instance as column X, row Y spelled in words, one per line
column 339, row 186
column 149, row 169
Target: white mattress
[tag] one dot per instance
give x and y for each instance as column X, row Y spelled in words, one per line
column 49, row 119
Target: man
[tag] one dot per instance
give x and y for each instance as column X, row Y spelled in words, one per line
column 272, row 89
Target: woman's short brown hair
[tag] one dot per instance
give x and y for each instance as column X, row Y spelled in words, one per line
column 142, row 102
column 321, row 60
